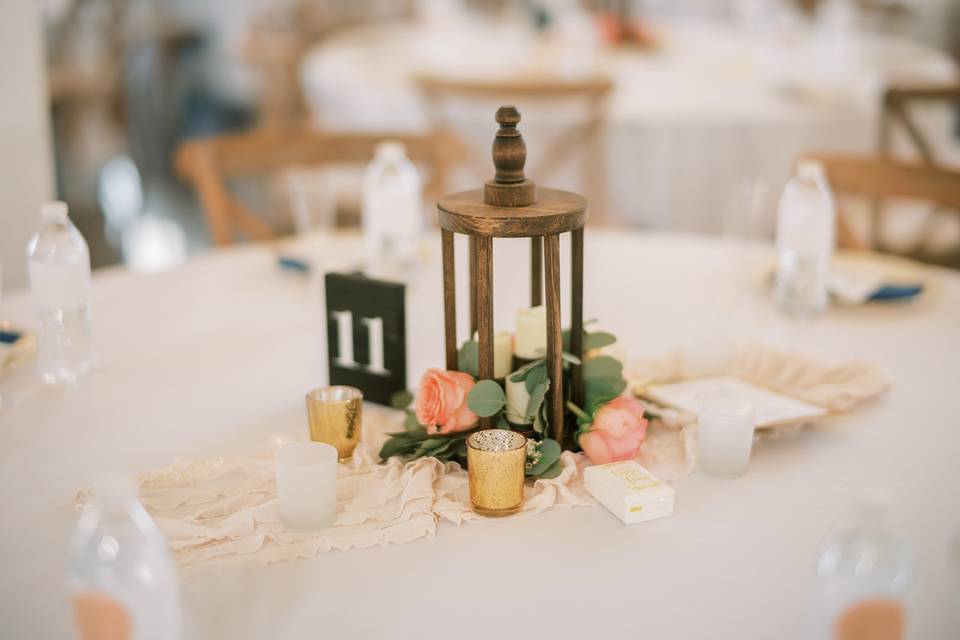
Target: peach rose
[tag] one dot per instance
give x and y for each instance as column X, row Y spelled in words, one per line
column 617, row 432
column 442, row 402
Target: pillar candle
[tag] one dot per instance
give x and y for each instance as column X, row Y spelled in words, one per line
column 502, row 353
column 531, row 336
column 517, row 399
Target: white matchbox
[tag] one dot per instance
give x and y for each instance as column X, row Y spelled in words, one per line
column 629, row 491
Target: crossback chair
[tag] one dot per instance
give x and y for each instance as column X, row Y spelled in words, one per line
column 897, row 103
column 880, row 178
column 583, row 136
column 899, row 113
column 209, row 163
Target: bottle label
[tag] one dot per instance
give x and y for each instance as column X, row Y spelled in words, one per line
column 100, row 617
column 59, row 286
column 873, row 619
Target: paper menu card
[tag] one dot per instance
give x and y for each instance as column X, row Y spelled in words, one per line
column 771, row 408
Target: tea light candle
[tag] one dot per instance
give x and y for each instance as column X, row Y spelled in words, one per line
column 517, row 399
column 726, row 426
column 531, row 337
column 307, row 485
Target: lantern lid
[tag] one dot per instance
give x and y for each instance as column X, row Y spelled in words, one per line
column 511, row 205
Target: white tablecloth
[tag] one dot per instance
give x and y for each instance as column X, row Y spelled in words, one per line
column 213, row 358
column 711, row 107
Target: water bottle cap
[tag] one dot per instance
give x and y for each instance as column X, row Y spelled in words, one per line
column 811, row 169
column 54, row 211
column 391, row 150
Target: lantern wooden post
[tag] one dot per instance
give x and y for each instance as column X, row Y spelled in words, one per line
column 511, row 206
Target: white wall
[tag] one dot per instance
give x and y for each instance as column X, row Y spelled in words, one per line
column 26, row 170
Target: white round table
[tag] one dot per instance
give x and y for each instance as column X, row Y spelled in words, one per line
column 213, row 358
column 711, row 107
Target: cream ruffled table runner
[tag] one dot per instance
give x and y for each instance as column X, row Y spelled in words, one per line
column 226, row 508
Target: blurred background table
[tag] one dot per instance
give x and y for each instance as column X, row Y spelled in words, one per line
column 213, row 359
column 692, row 116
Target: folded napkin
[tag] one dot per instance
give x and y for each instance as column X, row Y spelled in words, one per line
column 837, row 386
column 670, row 449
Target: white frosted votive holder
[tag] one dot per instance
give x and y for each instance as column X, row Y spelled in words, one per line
column 307, row 485
column 726, row 426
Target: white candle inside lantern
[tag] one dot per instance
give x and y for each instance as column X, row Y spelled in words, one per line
column 502, row 352
column 531, row 337
column 517, row 399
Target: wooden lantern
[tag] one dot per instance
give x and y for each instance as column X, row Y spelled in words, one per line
column 511, row 206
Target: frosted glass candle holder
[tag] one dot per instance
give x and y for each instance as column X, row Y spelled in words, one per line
column 307, row 485
column 726, row 426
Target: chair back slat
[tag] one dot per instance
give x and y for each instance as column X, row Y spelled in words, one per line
column 881, row 178
column 208, row 163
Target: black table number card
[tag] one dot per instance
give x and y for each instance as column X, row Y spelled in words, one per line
column 366, row 335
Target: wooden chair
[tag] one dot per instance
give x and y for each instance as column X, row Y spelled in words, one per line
column 582, row 137
column 897, row 112
column 880, row 178
column 207, row 163
column 897, row 102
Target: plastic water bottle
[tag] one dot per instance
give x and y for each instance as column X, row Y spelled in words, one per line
column 59, row 269
column 865, row 571
column 122, row 579
column 805, row 240
column 392, row 204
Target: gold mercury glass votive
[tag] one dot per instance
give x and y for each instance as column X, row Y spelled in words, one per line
column 335, row 415
column 496, row 460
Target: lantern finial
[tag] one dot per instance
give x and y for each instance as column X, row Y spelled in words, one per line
column 509, row 188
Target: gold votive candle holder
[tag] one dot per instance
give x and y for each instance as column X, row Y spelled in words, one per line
column 335, row 415
column 496, row 460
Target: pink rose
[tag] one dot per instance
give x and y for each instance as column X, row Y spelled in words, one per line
column 617, row 432
column 442, row 403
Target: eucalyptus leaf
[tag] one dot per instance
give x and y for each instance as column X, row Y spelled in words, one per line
column 602, row 367
column 597, row 339
column 410, row 423
column 598, row 402
column 468, row 358
column 399, row 444
column 436, row 447
column 401, row 399
column 552, row 471
column 522, row 372
column 502, row 422
column 536, row 399
column 549, row 453
column 486, row 398
column 598, row 388
column 569, row 357
column 536, row 376
column 540, row 422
